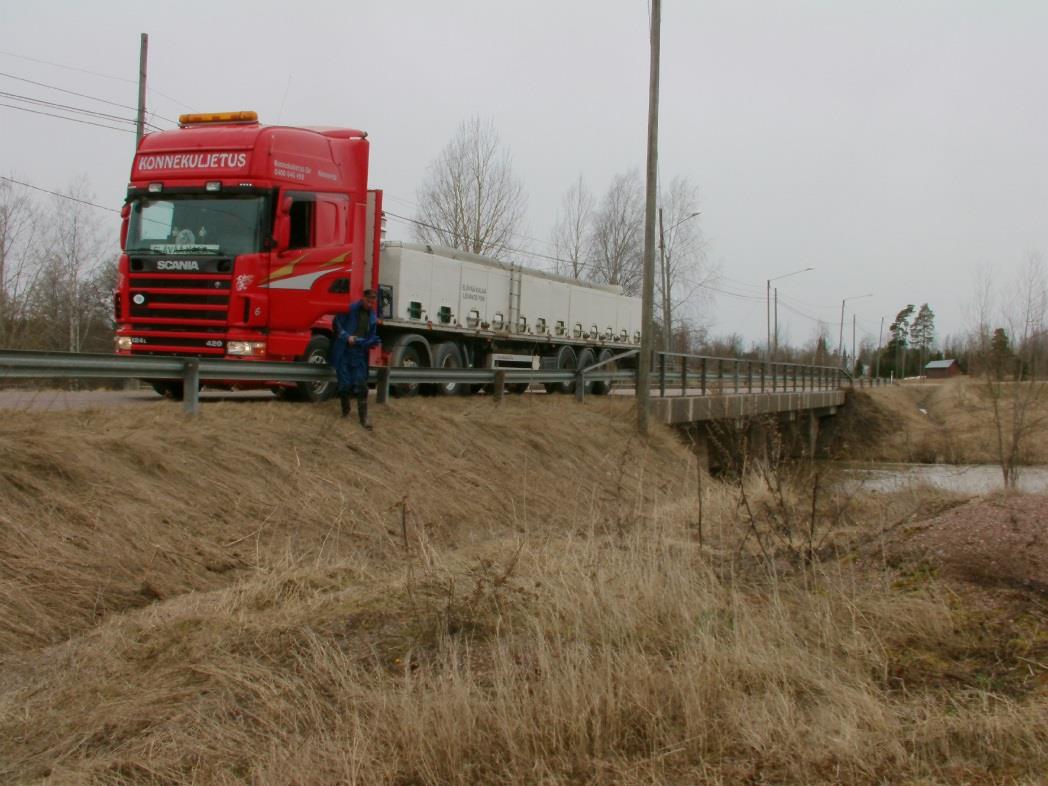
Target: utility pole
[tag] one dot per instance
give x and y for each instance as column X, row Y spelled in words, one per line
column 767, row 308
column 767, row 305
column 647, row 292
column 880, row 338
column 667, row 326
column 141, row 124
column 776, row 344
column 853, row 338
column 840, row 338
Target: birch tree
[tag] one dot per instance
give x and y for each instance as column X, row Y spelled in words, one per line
column 470, row 198
column 572, row 229
column 617, row 237
column 19, row 222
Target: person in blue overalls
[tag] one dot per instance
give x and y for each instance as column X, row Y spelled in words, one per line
column 356, row 332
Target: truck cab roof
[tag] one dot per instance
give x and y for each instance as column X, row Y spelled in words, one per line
column 325, row 159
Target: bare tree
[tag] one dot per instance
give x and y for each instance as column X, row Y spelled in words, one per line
column 571, row 232
column 1010, row 359
column 618, row 234
column 18, row 228
column 63, row 298
column 470, row 198
column 686, row 271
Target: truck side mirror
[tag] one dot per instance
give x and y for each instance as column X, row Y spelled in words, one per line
column 282, row 226
column 125, row 213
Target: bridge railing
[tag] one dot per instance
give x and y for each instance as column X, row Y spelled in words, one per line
column 674, row 374
column 701, row 375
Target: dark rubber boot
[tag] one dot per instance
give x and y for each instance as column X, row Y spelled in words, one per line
column 344, row 399
column 362, row 413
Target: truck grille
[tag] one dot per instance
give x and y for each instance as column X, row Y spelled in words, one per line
column 179, row 311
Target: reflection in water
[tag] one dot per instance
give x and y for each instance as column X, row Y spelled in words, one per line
column 963, row 478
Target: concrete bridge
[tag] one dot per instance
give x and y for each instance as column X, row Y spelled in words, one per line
column 695, row 388
column 751, row 399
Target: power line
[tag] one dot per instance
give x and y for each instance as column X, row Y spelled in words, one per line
column 520, row 235
column 71, row 119
column 94, row 73
column 68, row 108
column 508, row 248
column 81, row 95
column 581, row 265
column 57, row 194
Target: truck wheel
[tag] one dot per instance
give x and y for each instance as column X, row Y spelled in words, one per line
column 564, row 360
column 447, row 356
column 407, row 355
column 587, row 358
column 317, row 351
column 603, row 388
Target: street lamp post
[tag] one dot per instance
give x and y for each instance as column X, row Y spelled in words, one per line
column 767, row 304
column 840, row 340
column 664, row 261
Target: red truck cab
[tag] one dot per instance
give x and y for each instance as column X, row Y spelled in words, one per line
column 241, row 240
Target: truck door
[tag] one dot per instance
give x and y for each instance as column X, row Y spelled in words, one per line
column 311, row 278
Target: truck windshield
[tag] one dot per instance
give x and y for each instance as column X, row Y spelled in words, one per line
column 196, row 224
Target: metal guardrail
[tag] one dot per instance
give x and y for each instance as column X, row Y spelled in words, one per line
column 678, row 373
column 739, row 375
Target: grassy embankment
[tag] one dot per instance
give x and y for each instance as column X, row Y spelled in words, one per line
column 476, row 594
column 945, row 422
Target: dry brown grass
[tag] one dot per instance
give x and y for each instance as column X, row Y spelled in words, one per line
column 539, row 612
column 956, row 427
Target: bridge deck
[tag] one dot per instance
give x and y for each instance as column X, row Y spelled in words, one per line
column 691, row 409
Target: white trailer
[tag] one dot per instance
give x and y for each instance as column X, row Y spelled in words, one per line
column 446, row 308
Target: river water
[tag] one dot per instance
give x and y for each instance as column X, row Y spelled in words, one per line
column 963, row 478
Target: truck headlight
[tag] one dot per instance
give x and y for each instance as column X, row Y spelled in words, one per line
column 123, row 343
column 246, row 348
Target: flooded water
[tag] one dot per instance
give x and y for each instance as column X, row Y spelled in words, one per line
column 964, row 478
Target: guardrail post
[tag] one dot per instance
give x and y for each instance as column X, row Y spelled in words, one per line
column 736, row 376
column 500, row 384
column 703, row 377
column 382, row 385
column 580, row 386
column 684, row 376
column 662, row 374
column 762, row 378
column 191, row 387
column 749, row 377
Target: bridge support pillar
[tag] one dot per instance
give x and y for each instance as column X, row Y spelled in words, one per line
column 757, row 440
column 813, row 432
column 700, row 446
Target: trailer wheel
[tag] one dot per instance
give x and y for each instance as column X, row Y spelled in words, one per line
column 447, row 355
column 317, row 351
column 408, row 352
column 564, row 360
column 604, row 388
column 586, row 359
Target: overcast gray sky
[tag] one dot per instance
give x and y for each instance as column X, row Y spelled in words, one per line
column 894, row 145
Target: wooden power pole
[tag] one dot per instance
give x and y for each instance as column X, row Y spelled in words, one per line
column 648, row 288
column 141, row 123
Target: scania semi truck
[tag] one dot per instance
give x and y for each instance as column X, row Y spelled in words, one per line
column 242, row 241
